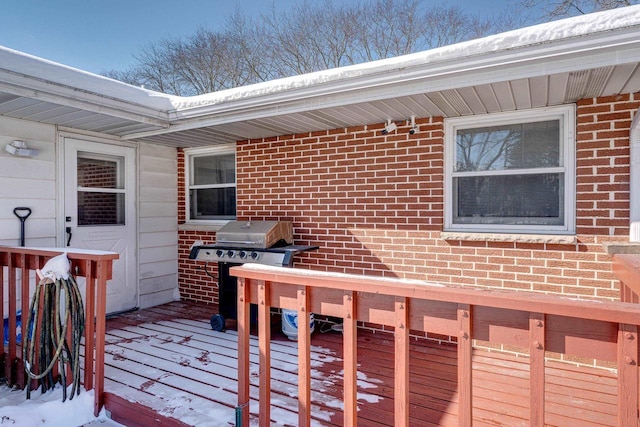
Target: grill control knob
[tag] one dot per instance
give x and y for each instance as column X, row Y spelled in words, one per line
column 219, row 253
column 254, row 255
column 231, row 253
column 243, row 254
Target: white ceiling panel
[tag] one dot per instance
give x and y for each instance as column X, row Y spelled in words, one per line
column 488, row 98
column 558, row 85
column 521, row 93
column 472, row 99
column 539, row 90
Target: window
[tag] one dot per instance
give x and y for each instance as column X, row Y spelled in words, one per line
column 211, row 181
column 101, row 192
column 511, row 172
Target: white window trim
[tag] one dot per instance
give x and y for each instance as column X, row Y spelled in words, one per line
column 567, row 115
column 189, row 153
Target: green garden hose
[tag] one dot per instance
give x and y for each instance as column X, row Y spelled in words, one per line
column 57, row 317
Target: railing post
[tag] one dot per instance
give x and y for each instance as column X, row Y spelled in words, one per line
column 304, row 358
column 90, row 322
column 465, row 354
column 243, row 350
column 11, row 322
column 627, row 375
column 264, row 344
column 536, row 369
column 401, row 381
column 99, row 279
column 350, row 344
column 19, row 376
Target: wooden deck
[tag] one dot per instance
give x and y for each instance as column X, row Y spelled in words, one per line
column 165, row 366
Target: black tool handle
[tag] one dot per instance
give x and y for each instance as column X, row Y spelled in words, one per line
column 24, row 216
column 22, row 213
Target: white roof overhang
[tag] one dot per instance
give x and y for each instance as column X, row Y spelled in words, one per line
column 549, row 64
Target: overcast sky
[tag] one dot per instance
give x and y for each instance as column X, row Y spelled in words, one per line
column 100, row 35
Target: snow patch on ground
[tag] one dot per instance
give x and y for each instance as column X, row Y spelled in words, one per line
column 49, row 410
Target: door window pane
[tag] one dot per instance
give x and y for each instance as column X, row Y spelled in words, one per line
column 100, row 208
column 101, row 193
column 99, row 173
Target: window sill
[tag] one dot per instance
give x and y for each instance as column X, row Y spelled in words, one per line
column 506, row 237
column 190, row 226
column 632, row 248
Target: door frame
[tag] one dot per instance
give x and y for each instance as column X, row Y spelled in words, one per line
column 61, row 193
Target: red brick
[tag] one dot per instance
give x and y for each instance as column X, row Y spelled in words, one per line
column 375, row 203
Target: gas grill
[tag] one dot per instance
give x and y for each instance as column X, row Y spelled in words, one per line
column 240, row 242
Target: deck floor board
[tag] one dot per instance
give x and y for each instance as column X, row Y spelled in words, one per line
column 169, row 361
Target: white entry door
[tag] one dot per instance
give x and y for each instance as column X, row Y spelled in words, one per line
column 100, row 211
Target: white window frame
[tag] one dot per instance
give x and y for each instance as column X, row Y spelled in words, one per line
column 566, row 114
column 189, row 154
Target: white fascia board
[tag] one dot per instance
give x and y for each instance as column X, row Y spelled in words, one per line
column 25, row 75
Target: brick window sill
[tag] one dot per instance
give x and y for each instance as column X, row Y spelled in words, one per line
column 506, row 237
column 632, row 248
column 199, row 227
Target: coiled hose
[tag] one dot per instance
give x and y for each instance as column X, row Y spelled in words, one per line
column 55, row 326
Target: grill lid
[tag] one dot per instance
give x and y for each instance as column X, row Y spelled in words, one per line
column 255, row 234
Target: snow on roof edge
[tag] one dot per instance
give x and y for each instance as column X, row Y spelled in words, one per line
column 26, row 65
column 600, row 22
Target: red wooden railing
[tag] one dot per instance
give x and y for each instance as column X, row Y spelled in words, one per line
column 606, row 331
column 626, row 267
column 18, row 273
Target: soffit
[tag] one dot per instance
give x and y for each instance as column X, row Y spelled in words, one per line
column 507, row 95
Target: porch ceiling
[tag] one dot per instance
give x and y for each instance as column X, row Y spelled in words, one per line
column 549, row 64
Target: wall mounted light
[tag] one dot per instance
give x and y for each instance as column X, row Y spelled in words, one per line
column 19, row 148
column 414, row 127
column 390, row 127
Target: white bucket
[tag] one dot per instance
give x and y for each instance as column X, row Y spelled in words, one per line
column 290, row 323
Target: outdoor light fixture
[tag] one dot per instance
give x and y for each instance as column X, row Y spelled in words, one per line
column 414, row 127
column 390, row 127
column 19, row 148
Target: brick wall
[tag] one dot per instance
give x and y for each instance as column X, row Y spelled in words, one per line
column 374, row 205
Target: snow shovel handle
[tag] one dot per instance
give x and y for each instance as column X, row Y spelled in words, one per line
column 22, row 217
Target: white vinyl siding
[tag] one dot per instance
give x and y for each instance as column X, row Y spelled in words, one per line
column 28, row 182
column 158, row 234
